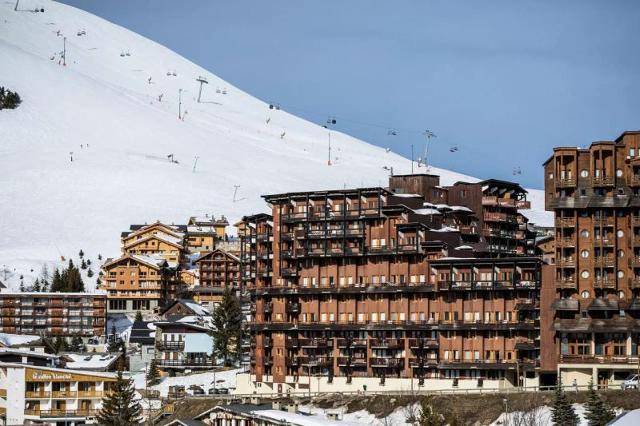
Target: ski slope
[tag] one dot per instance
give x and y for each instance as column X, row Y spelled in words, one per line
column 113, row 109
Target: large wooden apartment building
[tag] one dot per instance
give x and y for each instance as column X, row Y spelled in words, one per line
column 53, row 314
column 595, row 292
column 368, row 289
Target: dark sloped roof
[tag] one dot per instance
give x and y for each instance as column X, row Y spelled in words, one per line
column 141, row 333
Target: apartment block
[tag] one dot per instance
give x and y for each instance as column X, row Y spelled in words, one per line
column 218, row 270
column 369, row 289
column 594, row 194
column 53, row 314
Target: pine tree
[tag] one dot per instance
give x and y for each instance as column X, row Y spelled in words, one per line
column 227, row 328
column 89, row 273
column 60, row 345
column 83, row 264
column 81, row 254
column 120, row 408
column 99, row 256
column 598, row 413
column 153, row 375
column 138, row 316
column 88, row 262
column 36, row 286
column 562, row 413
column 22, row 289
column 45, row 277
column 428, row 417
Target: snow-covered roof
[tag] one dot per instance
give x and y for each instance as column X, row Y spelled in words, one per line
column 445, row 229
column 197, row 308
column 443, row 207
column 461, row 209
column 401, row 195
column 7, row 339
column 90, row 361
column 464, row 248
column 426, row 211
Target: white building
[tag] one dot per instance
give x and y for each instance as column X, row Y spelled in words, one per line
column 51, row 396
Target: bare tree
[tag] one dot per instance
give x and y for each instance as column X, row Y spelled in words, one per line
column 531, row 414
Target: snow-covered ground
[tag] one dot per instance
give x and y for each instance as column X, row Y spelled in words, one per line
column 222, row 379
column 113, row 110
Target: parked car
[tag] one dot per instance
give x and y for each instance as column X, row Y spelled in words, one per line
column 631, row 382
column 213, row 391
column 223, row 390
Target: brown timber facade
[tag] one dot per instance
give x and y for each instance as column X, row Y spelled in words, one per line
column 594, row 194
column 367, row 289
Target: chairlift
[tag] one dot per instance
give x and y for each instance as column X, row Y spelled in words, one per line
column 453, row 148
column 169, row 73
column 122, row 54
column 331, row 120
column 392, row 132
column 224, row 91
column 128, row 54
column 517, row 171
column 174, row 74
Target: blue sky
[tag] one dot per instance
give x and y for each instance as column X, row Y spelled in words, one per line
column 502, row 81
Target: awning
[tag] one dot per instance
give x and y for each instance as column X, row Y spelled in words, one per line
column 600, row 304
column 566, row 305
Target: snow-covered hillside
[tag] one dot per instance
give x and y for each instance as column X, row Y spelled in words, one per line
column 114, row 109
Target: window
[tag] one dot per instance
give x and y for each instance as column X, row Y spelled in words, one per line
column 620, row 233
column 584, row 173
column 620, row 274
column 619, row 173
column 584, row 274
column 584, row 294
column 584, row 253
column 584, row 233
column 550, row 176
column 621, row 294
column 620, row 253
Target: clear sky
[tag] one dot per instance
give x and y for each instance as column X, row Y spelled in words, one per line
column 502, row 81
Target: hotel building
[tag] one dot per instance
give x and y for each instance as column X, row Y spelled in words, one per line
column 368, row 290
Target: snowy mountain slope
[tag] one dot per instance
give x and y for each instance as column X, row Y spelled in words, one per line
column 104, row 110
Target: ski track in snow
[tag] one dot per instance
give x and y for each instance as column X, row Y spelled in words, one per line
column 50, row 206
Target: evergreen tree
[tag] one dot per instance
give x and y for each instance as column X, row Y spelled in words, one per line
column 56, row 282
column 45, row 278
column 36, row 286
column 77, row 345
column 562, row 413
column 598, row 413
column 88, row 262
column 81, row 254
column 120, row 408
column 138, row 316
column 227, row 328
column 9, row 99
column 59, row 345
column 89, row 273
column 22, row 289
column 99, row 256
column 153, row 374
column 428, row 417
column 83, row 264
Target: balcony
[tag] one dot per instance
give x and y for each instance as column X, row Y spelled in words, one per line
column 60, row 414
column 604, row 220
column 267, row 308
column 496, row 201
column 39, row 394
column 378, row 362
column 565, row 222
column 499, row 217
column 567, row 262
column 423, row 343
column 525, row 344
column 64, row 394
column 565, row 182
column 163, row 345
column 352, row 343
column 315, row 343
column 291, row 343
column 568, row 283
column 599, row 359
column 605, row 262
column 386, row 344
column 352, row 362
column 634, row 282
column 313, row 361
column 566, row 242
column 603, row 181
column 601, row 282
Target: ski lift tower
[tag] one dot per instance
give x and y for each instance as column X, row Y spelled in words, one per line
column 202, row 81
